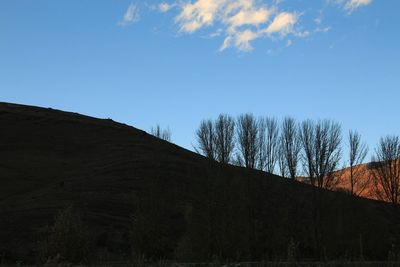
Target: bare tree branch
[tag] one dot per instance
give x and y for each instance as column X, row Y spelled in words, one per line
column 357, row 173
column 247, row 132
column 307, row 137
column 206, row 139
column 386, row 169
column 224, row 138
column 291, row 146
column 327, row 152
column 321, row 151
column 272, row 142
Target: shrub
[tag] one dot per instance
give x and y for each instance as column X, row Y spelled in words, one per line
column 66, row 240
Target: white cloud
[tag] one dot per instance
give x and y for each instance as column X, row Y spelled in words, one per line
column 131, row 15
column 201, row 13
column 354, row 4
column 249, row 17
column 283, row 24
column 241, row 40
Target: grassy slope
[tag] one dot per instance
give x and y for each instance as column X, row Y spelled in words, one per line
column 50, row 158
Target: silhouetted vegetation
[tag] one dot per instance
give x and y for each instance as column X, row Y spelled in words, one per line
column 67, row 240
column 315, row 146
column 164, row 134
column 247, row 141
column 153, row 234
column 357, row 153
column 224, row 128
column 386, row 171
column 291, row 146
column 321, row 143
column 270, row 144
column 215, row 139
column 206, row 139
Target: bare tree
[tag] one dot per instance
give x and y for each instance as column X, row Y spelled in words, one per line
column 327, row 142
column 164, row 134
column 261, row 144
column 321, row 151
column 357, row 153
column 291, row 146
column 386, row 169
column 307, row 137
column 224, row 138
column 281, row 159
column 247, row 132
column 206, row 139
column 321, row 154
column 271, row 143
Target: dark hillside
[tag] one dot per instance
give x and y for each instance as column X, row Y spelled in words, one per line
column 175, row 203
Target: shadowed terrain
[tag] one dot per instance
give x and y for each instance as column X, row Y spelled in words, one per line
column 190, row 207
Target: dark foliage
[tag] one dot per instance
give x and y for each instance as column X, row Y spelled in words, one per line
column 66, row 240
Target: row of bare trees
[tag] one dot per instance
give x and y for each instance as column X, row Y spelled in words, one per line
column 312, row 149
column 246, row 141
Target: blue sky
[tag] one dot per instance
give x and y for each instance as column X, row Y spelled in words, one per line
column 175, row 63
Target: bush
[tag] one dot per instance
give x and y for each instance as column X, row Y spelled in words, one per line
column 150, row 235
column 66, row 240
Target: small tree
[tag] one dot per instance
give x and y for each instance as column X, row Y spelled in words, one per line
column 386, row 169
column 164, row 134
column 357, row 153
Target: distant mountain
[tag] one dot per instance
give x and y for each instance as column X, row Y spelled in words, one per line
column 189, row 208
column 365, row 185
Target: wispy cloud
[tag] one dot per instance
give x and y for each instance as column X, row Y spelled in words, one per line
column 164, row 7
column 323, row 29
column 131, row 16
column 199, row 14
column 289, row 43
column 354, row 4
column 351, row 5
column 283, row 23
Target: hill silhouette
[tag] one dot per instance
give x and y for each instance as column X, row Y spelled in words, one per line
column 175, row 203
